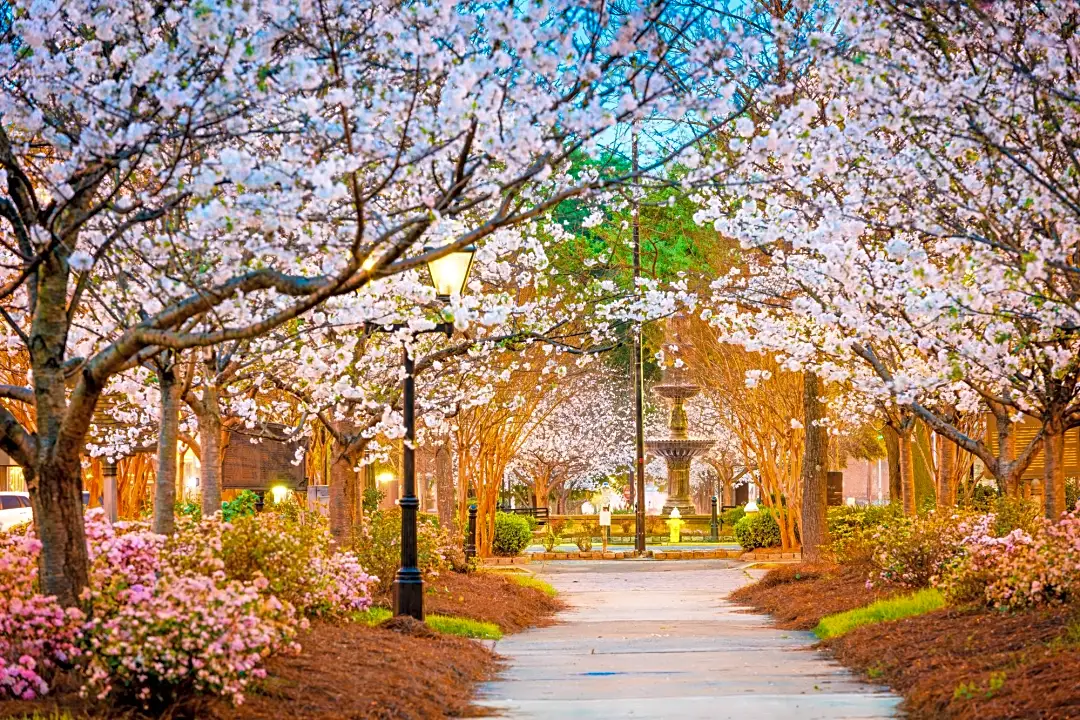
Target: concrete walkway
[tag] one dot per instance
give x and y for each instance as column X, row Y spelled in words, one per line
column 647, row 639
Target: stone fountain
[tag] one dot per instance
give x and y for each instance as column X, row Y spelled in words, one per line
column 678, row 449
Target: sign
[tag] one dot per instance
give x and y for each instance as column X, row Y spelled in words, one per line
column 605, row 518
column 259, row 465
column 834, row 488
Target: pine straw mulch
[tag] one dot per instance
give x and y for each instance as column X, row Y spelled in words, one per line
column 798, row 596
column 967, row 663
column 490, row 597
column 400, row 669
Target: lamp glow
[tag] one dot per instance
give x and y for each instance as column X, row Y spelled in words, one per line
column 278, row 493
column 449, row 273
column 384, row 477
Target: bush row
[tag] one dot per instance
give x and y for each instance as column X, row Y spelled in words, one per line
column 1008, row 558
column 167, row 617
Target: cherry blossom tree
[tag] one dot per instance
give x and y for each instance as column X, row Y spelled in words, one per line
column 179, row 176
column 919, row 208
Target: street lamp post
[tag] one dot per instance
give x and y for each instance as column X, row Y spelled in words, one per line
column 448, row 274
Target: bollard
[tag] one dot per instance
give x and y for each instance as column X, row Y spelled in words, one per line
column 715, row 526
column 470, row 539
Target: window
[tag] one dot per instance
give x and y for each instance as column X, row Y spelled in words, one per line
column 10, row 502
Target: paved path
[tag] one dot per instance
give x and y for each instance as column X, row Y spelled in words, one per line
column 648, row 639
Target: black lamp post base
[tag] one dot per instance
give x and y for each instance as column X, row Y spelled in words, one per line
column 409, row 593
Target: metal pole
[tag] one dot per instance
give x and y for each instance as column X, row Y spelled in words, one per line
column 639, row 380
column 470, row 538
column 109, row 499
column 715, row 526
column 409, row 583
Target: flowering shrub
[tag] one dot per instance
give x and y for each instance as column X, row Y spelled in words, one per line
column 296, row 557
column 196, row 612
column 912, row 552
column 36, row 634
column 971, row 572
column 184, row 635
column 378, row 546
column 1020, row 569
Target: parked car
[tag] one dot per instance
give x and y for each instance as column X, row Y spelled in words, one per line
column 14, row 509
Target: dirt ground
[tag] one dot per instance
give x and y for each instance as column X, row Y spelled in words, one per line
column 401, row 670
column 967, row 663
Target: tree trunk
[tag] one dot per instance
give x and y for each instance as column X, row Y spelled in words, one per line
column 892, row 454
column 210, row 455
column 340, row 473
column 946, row 470
column 1054, row 470
column 1008, row 450
column 58, row 513
column 165, row 484
column 444, row 484
column 815, row 527
column 907, row 472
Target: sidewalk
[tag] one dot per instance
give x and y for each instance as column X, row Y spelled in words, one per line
column 655, row 640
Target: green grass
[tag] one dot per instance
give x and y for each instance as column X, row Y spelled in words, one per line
column 918, row 603
column 464, row 627
column 450, row 625
column 372, row 616
column 535, row 583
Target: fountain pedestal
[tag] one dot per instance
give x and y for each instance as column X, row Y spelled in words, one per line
column 678, row 449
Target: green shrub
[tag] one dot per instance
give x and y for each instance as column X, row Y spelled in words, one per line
column 852, row 529
column 918, row 603
column 912, row 552
column 191, row 508
column 584, row 542
column 1072, row 494
column 378, row 545
column 732, row 515
column 373, row 497
column 243, row 505
column 758, row 530
column 551, row 538
column 512, row 534
column 292, row 553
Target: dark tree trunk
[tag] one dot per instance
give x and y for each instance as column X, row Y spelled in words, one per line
column 815, row 527
column 892, row 454
column 165, row 484
column 58, row 512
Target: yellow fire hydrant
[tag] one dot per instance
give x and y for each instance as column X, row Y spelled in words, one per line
column 675, row 523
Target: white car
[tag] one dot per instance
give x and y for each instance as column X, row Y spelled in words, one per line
column 14, row 509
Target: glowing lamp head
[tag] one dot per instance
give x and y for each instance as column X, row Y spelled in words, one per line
column 384, row 477
column 279, row 493
column 450, row 272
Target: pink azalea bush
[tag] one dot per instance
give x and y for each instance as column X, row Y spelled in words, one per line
column 298, row 558
column 36, row 634
column 171, row 617
column 1021, row 569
